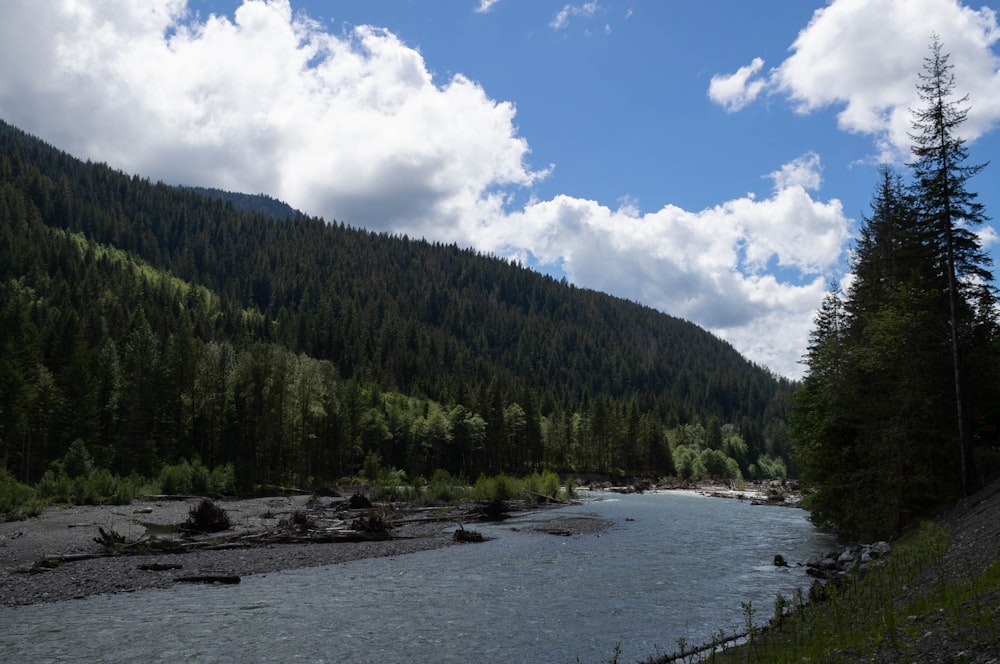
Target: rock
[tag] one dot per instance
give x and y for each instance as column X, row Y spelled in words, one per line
column 779, row 561
column 846, row 557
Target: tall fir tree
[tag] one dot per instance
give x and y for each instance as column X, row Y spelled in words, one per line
column 882, row 405
column 950, row 214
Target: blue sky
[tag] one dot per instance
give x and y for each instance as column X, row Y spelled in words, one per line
column 711, row 160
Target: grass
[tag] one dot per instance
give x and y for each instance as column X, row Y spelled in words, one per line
column 879, row 613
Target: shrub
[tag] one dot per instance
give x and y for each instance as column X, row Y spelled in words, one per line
column 194, row 478
column 445, row 487
column 496, row 489
column 98, row 486
column 224, row 480
column 201, row 478
column 17, row 500
column 206, row 517
column 392, row 491
column 176, row 480
column 545, row 484
column 768, row 468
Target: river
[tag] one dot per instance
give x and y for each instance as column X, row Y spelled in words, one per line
column 675, row 565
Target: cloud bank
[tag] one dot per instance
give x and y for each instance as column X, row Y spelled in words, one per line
column 353, row 127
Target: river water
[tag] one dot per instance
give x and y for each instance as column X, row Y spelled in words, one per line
column 674, row 565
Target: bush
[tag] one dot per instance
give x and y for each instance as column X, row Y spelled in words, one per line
column 17, row 500
column 99, row 486
column 193, row 478
column 206, row 517
column 392, row 491
column 768, row 468
column 201, row 479
column 445, row 487
column 496, row 489
column 176, row 480
column 224, row 480
column 544, row 484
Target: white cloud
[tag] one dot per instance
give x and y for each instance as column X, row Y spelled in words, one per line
column 353, row 127
column 864, row 56
column 718, row 267
column 735, row 91
column 561, row 19
column 485, row 6
column 805, row 172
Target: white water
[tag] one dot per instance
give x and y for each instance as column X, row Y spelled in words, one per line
column 673, row 566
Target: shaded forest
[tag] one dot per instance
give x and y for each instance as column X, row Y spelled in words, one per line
column 157, row 324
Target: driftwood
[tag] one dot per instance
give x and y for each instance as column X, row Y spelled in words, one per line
column 160, row 567
column 323, row 525
column 51, row 562
column 209, row 578
column 686, row 654
column 109, row 537
column 548, row 499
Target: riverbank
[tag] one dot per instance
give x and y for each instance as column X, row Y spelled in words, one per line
column 69, row 533
column 935, row 601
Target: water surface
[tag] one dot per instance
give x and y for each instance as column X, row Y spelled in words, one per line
column 673, row 566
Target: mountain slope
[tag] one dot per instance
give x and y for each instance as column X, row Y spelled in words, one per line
column 424, row 319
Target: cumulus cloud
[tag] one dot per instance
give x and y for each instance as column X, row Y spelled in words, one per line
column 717, row 266
column 735, row 91
column 353, row 127
column 863, row 56
column 805, row 172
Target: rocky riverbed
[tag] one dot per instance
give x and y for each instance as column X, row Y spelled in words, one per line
column 69, row 534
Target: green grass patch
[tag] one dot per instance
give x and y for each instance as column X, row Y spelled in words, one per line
column 869, row 612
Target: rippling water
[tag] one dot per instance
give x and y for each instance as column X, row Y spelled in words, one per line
column 674, row 565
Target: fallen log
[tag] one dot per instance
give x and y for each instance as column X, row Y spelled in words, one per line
column 51, row 562
column 160, row 567
column 548, row 498
column 688, row 654
column 209, row 578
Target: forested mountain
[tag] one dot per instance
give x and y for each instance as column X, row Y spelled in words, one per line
column 156, row 323
column 253, row 203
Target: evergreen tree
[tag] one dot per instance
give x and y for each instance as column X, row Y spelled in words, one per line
column 950, row 213
column 875, row 436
